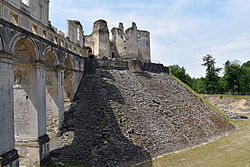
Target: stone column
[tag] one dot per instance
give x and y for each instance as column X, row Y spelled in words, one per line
column 8, row 155
column 61, row 96
column 54, row 99
column 32, row 142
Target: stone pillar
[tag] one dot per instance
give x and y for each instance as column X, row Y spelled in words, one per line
column 61, row 97
column 54, row 99
column 32, row 142
column 8, row 155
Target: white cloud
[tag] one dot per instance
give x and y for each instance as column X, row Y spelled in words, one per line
column 182, row 31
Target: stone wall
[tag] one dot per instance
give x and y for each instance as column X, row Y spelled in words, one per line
column 6, row 101
column 101, row 39
column 144, row 45
column 153, row 67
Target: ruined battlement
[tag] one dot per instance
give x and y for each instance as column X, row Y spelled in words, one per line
column 129, row 44
column 101, row 26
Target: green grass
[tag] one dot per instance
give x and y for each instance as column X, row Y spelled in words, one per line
column 230, row 151
column 215, row 108
column 229, row 96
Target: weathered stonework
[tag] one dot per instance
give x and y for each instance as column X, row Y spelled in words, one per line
column 131, row 44
column 8, row 156
column 34, row 56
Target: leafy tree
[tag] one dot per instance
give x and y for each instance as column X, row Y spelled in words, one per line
column 198, row 85
column 181, row 74
column 246, row 64
column 237, row 77
column 245, row 78
column 212, row 78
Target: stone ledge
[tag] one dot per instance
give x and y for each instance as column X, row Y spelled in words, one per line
column 8, row 157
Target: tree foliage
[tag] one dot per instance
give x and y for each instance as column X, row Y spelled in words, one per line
column 212, row 74
column 180, row 73
column 236, row 78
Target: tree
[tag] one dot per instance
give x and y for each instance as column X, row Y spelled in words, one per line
column 198, row 85
column 237, row 77
column 181, row 74
column 245, row 78
column 212, row 78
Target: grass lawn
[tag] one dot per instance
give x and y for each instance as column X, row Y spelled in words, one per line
column 229, row 151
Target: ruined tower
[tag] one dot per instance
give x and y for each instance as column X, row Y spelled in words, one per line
column 101, row 38
column 131, row 44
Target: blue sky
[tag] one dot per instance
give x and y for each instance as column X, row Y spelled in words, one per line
column 182, row 31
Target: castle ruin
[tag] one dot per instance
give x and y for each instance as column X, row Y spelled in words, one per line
column 40, row 70
column 111, row 105
column 129, row 44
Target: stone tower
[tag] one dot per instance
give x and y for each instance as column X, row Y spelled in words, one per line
column 101, row 38
column 131, row 42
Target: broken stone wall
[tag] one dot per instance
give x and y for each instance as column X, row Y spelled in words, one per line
column 144, row 45
column 101, row 39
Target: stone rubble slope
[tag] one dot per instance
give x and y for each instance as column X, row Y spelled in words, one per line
column 121, row 118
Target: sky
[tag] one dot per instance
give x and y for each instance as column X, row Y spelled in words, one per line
column 182, row 31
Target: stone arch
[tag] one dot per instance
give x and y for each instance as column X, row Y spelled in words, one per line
column 29, row 100
column 54, row 91
column 51, row 58
column 68, row 63
column 48, row 51
column 23, row 40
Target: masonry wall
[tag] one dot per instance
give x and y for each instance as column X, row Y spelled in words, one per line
column 144, row 45
column 89, row 43
column 101, row 39
column 29, row 101
column 119, row 43
column 131, row 43
column 6, row 105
